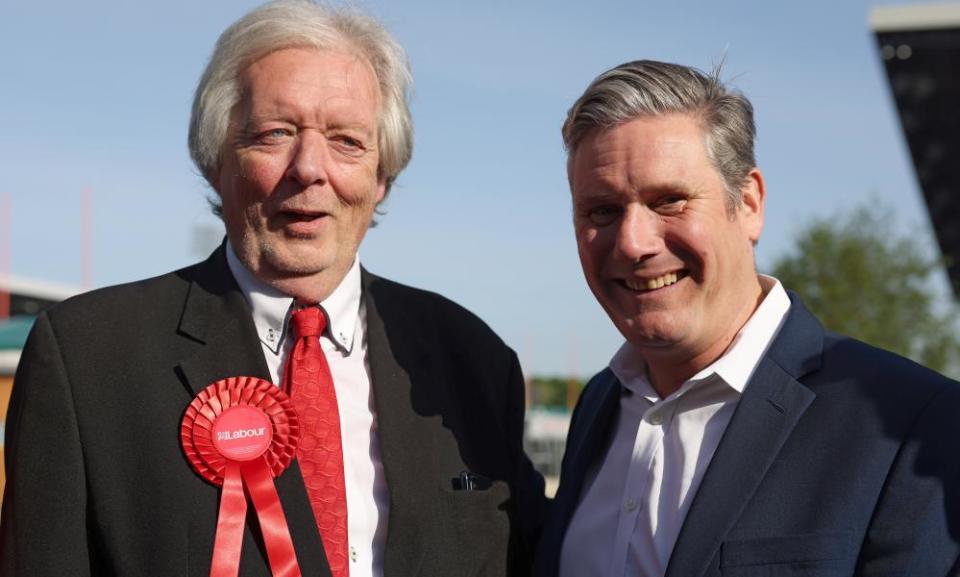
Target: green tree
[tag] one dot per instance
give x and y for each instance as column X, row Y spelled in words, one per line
column 863, row 280
column 557, row 392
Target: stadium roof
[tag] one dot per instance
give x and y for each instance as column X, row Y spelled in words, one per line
column 27, row 298
column 915, row 17
column 39, row 289
column 920, row 48
column 13, row 334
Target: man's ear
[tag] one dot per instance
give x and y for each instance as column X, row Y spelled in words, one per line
column 381, row 189
column 211, row 177
column 753, row 195
column 215, row 199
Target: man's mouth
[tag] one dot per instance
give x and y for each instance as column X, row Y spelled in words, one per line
column 302, row 223
column 302, row 215
column 649, row 284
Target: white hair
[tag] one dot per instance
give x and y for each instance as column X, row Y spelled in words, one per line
column 295, row 24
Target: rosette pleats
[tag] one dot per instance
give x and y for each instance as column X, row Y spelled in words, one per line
column 224, row 434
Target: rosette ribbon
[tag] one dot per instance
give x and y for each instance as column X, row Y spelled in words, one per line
column 239, row 434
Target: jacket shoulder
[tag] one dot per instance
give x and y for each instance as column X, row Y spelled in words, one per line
column 848, row 358
column 861, row 384
column 427, row 309
column 135, row 303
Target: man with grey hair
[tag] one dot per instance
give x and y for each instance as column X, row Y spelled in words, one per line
column 730, row 434
column 401, row 436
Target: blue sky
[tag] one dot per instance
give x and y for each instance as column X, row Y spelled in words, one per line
column 97, row 94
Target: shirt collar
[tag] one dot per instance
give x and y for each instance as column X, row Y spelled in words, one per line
column 735, row 366
column 271, row 307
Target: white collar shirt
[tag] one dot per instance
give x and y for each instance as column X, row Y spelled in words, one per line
column 635, row 499
column 344, row 343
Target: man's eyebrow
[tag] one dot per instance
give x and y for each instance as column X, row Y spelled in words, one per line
column 598, row 194
column 666, row 188
column 350, row 124
column 249, row 124
column 251, row 120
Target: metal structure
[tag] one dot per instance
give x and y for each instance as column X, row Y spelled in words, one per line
column 26, row 299
column 920, row 48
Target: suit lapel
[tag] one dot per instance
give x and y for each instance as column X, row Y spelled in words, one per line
column 406, row 438
column 764, row 418
column 218, row 319
column 770, row 407
column 222, row 324
column 596, row 417
column 595, row 413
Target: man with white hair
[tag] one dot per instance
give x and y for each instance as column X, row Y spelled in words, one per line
column 403, row 426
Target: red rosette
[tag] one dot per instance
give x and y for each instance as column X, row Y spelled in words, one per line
column 239, row 434
column 196, row 431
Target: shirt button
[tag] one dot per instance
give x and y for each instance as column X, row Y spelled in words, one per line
column 353, row 554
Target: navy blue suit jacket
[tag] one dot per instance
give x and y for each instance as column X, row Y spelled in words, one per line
column 840, row 459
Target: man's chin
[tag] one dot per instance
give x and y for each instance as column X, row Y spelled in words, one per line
column 283, row 263
column 648, row 333
column 298, row 269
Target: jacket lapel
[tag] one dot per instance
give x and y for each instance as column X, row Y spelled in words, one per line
column 218, row 319
column 397, row 355
column 770, row 407
column 595, row 413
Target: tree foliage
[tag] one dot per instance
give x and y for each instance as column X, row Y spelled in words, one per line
column 863, row 280
column 554, row 392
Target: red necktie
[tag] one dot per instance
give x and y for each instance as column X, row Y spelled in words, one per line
column 320, row 452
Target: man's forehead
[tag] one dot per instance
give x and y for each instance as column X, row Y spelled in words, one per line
column 647, row 136
column 289, row 77
column 653, row 143
column 286, row 63
column 604, row 152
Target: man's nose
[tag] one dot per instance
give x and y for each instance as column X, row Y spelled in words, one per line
column 640, row 235
column 308, row 164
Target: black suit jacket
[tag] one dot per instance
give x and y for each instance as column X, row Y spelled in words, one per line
column 98, row 484
column 840, row 459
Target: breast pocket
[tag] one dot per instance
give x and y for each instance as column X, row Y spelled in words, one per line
column 478, row 529
column 812, row 555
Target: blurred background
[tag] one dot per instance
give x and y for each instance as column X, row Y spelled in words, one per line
column 96, row 185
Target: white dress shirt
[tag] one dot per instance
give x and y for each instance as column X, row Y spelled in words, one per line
column 635, row 498
column 345, row 345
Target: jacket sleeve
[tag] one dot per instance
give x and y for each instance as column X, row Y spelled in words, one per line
column 915, row 529
column 43, row 524
column 529, row 484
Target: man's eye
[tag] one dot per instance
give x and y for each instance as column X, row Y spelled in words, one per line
column 604, row 215
column 273, row 136
column 671, row 204
column 348, row 144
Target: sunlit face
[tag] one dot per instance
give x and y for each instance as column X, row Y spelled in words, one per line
column 298, row 179
column 660, row 248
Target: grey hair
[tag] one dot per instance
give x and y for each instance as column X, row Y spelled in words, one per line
column 650, row 88
column 295, row 24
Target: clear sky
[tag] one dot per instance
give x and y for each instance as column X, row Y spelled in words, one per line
column 97, row 95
